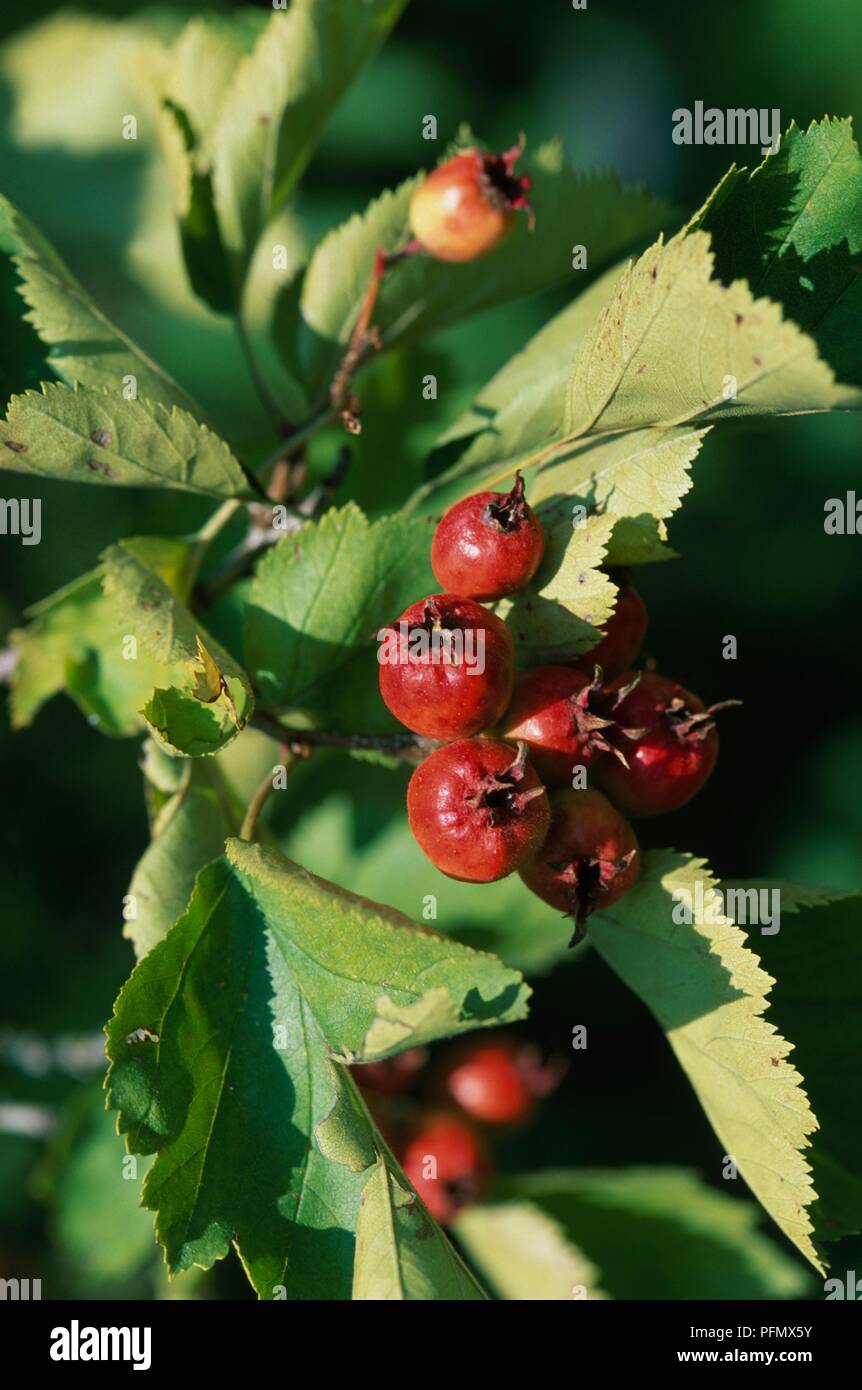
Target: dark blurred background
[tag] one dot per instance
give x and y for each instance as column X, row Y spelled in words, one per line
column 756, row 562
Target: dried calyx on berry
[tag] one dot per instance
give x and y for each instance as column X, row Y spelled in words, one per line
column 693, row 725
column 668, row 763
column 506, row 794
column 509, row 510
column 466, row 205
column 568, row 720
column 595, row 714
column 588, row 860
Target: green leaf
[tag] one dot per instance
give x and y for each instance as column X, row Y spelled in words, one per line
column 188, row 832
column 559, row 613
column 709, row 994
column 85, row 435
column 219, row 1047
column 524, row 1254
column 277, row 105
column 792, row 228
column 661, row 1233
column 269, row 307
column 526, row 397
column 73, row 644
column 314, row 608
column 83, row 345
column 816, row 958
column 236, row 1084
column 204, row 698
column 401, row 1254
column 358, row 963
column 639, row 477
column 638, row 480
column 674, row 345
column 191, row 181
column 422, row 295
column 332, row 839
column 198, row 68
column 190, row 81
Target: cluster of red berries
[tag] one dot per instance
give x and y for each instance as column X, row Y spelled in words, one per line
column 494, row 1082
column 480, row 806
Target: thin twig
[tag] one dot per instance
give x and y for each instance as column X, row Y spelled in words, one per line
column 411, row 746
column 260, row 798
column 364, row 340
column 219, row 519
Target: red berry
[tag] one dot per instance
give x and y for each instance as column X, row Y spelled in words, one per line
column 672, row 758
column 624, row 633
column 393, row 1074
column 446, row 667
column 467, row 205
column 497, row 1080
column 476, row 807
column 566, row 720
column 448, row 1164
column 589, row 859
column 488, row 545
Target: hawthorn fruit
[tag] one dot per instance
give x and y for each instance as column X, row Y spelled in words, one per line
column 589, row 858
column 488, row 545
column 466, row 206
column 673, row 756
column 448, row 1163
column 566, row 719
column 447, row 667
column 476, row 807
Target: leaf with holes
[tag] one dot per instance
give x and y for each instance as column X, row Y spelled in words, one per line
column 203, row 698
column 220, row 1046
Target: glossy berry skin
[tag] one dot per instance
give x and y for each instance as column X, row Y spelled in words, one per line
column 488, row 545
column 589, row 859
column 392, row 1075
column 675, row 755
column 446, row 667
column 476, row 807
column 496, row 1080
column 625, row 631
column 460, row 1162
column 566, row 720
column 466, row 206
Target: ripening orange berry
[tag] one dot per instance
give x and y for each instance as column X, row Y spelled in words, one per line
column 468, row 204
